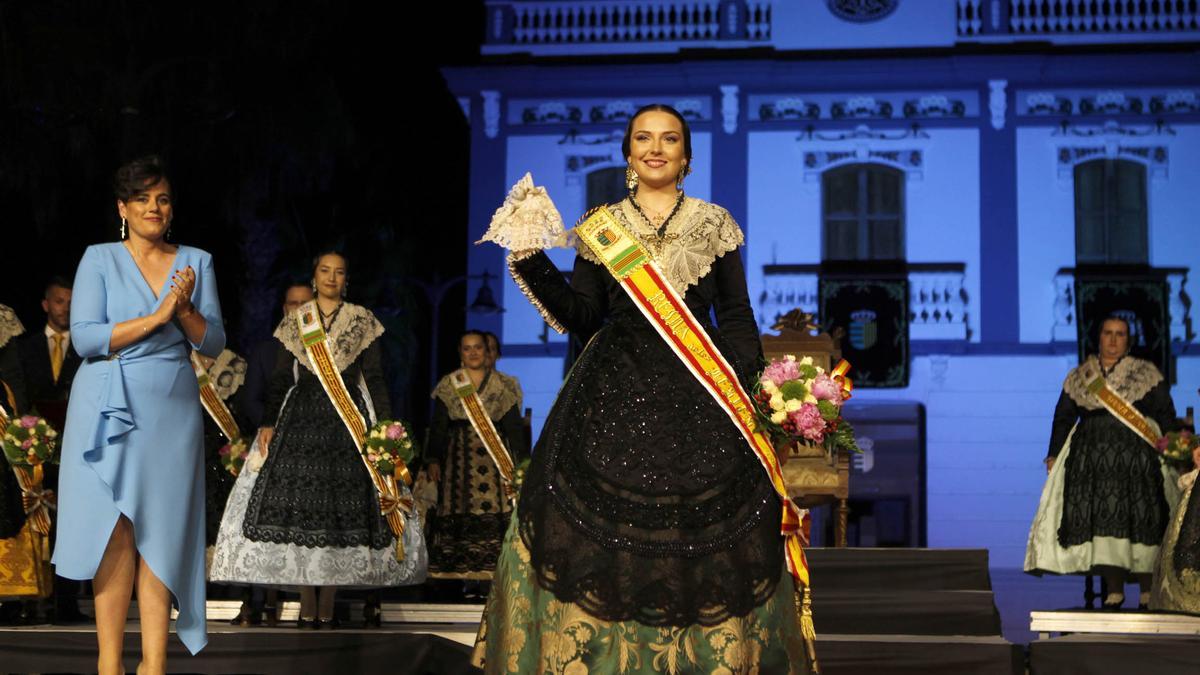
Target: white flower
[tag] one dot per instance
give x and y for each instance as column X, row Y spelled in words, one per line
column 769, row 387
column 809, row 398
column 806, row 361
column 793, row 404
column 777, row 401
column 778, row 417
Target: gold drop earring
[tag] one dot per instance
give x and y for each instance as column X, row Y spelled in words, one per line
column 631, row 178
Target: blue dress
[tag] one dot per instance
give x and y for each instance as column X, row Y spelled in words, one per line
column 133, row 443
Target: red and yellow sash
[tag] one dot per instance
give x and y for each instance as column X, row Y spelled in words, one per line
column 213, row 405
column 1121, row 409
column 312, row 335
column 643, row 280
column 469, row 397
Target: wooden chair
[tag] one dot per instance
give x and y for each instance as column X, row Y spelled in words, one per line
column 812, row 476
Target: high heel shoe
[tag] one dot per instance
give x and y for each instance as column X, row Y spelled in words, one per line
column 327, row 624
column 306, row 624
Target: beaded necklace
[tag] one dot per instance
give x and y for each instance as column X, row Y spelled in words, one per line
column 663, row 227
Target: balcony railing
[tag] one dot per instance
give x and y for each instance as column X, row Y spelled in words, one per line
column 569, row 27
column 1076, row 17
column 572, row 22
column 937, row 299
column 1178, row 303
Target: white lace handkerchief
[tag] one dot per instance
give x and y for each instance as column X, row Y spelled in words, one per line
column 528, row 220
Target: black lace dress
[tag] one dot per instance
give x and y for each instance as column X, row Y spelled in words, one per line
column 473, row 510
column 313, row 489
column 1114, row 482
column 643, row 501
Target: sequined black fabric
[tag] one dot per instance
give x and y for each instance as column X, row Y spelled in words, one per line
column 1114, row 486
column 217, row 480
column 313, row 490
column 643, row 502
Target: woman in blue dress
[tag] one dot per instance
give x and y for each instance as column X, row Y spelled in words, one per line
column 131, row 506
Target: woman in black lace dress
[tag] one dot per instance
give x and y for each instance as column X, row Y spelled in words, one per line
column 1106, row 510
column 310, row 517
column 647, row 535
column 473, row 509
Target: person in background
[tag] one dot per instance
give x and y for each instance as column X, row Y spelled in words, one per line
column 12, row 512
column 1105, row 504
column 310, row 516
column 473, row 507
column 1177, row 572
column 49, row 363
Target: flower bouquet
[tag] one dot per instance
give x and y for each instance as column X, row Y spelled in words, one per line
column 233, row 455
column 30, row 441
column 797, row 401
column 387, row 442
column 1177, row 446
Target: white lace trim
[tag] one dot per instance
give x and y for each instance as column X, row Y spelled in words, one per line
column 353, row 330
column 1132, row 378
column 227, row 373
column 699, row 233
column 10, row 325
column 528, row 219
column 500, row 393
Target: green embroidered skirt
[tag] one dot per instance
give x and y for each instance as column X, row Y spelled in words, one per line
column 526, row 630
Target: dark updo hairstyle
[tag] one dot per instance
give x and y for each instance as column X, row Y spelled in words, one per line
column 661, row 107
column 137, row 176
column 473, row 331
column 317, row 261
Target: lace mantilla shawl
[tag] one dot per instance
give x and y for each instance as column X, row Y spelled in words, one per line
column 353, row 330
column 699, row 233
column 227, row 373
column 10, row 325
column 1132, row 378
column 500, row 393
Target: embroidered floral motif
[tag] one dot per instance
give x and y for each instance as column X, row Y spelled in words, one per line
column 10, row 325
column 353, row 330
column 1132, row 378
column 227, row 373
column 699, row 234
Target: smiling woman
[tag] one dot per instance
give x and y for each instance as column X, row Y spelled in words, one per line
column 644, row 516
column 131, row 486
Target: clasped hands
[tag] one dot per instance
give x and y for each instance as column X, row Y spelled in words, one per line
column 178, row 302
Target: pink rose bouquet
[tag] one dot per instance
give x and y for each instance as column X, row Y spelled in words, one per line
column 233, row 455
column 389, row 443
column 798, row 401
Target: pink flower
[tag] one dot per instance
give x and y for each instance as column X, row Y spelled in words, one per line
column 781, row 371
column 825, row 388
column 809, row 422
column 1162, row 443
column 29, row 421
column 372, row 457
column 26, row 444
column 394, row 432
column 224, row 451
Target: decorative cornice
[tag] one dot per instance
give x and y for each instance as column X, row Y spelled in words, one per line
column 595, row 110
column 1108, row 102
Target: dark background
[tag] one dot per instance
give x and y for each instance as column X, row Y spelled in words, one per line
column 288, row 128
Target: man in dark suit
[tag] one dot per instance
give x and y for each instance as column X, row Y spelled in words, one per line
column 48, row 360
column 49, row 364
